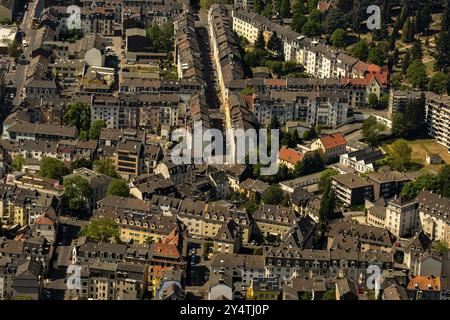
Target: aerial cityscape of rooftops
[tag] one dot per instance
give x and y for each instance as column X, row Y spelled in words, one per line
column 225, row 150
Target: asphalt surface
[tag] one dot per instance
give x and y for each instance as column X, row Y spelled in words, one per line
column 18, row 75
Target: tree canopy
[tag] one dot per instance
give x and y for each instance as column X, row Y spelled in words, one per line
column 77, row 192
column 96, row 129
column 53, row 169
column 101, row 230
column 400, row 153
column 118, row 187
column 371, row 130
column 273, row 195
column 106, row 166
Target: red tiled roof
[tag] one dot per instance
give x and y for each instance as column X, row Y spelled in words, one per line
column 165, row 250
column 333, row 140
column 424, row 283
column 276, row 82
column 44, row 220
column 290, row 155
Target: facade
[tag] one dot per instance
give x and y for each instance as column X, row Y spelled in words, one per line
column 129, row 158
column 433, row 216
column 290, row 263
column 362, row 161
column 437, row 110
column 332, row 146
column 351, row 189
column 97, row 182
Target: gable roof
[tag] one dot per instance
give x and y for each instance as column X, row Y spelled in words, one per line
column 333, row 140
column 290, row 155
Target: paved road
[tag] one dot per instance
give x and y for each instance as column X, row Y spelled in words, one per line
column 30, row 35
column 69, row 228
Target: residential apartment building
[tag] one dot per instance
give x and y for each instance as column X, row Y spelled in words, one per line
column 434, row 216
column 274, row 220
column 437, row 117
column 97, row 182
column 352, row 189
column 129, row 158
column 110, row 281
column 242, row 266
column 362, row 161
column 225, row 48
column 325, row 108
column 319, row 60
column 20, row 279
column 332, row 146
column 289, row 263
column 203, row 219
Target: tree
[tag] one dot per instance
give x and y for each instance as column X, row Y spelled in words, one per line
column 285, row 9
column 274, row 123
column 274, row 43
column 268, row 9
column 400, row 153
column 372, row 100
column 78, row 115
column 415, row 117
column 83, row 135
column 417, row 74
column 438, row 83
column 260, row 43
column 258, row 6
column 96, row 129
column 440, row 247
column 371, row 129
column 334, row 20
column 442, row 50
column 273, row 195
column 444, row 181
column 13, row 49
column 18, row 162
column 77, row 192
column 248, row 91
column 416, row 52
column 408, row 32
column 298, row 21
column 161, row 38
column 427, row 181
column 327, row 206
column 339, row 38
column 377, row 55
column 53, row 169
column 306, row 296
column 118, row 187
column 81, row 163
column 423, row 19
column 312, row 162
column 101, row 230
column 325, row 178
column 361, row 50
column 312, row 5
column 106, row 166
column 399, row 128
column 312, row 27
column 406, row 62
column 329, row 295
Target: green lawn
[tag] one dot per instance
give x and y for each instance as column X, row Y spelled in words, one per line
column 420, row 148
